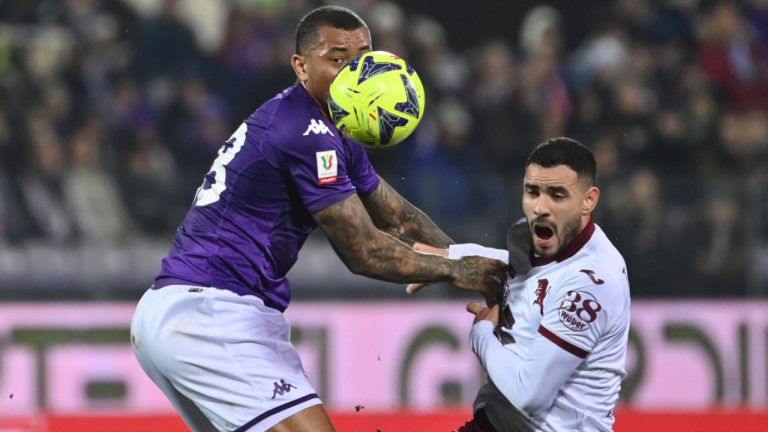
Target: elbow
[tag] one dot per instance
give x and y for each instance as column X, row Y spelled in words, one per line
column 357, row 267
column 529, row 403
column 360, row 263
column 525, row 394
column 531, row 398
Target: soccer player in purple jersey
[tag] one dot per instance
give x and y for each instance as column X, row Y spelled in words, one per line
column 211, row 331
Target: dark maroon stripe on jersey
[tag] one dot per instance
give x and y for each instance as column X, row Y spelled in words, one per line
column 562, row 343
column 574, row 247
column 275, row 410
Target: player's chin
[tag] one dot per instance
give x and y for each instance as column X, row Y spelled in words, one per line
column 545, row 251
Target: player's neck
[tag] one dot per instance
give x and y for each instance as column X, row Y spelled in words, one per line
column 323, row 107
column 585, row 220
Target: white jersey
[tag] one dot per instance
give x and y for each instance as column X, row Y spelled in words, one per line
column 559, row 352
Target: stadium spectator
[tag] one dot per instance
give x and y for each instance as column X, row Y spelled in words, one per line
column 732, row 59
column 91, row 194
column 721, row 245
column 42, row 185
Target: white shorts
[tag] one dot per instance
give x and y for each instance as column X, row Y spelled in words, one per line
column 225, row 361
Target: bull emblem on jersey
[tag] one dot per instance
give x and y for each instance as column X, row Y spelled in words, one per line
column 541, row 293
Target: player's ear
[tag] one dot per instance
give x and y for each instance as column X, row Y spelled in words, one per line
column 299, row 65
column 590, row 200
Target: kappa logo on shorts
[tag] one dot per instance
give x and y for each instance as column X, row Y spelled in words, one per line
column 578, row 310
column 317, row 127
column 282, row 388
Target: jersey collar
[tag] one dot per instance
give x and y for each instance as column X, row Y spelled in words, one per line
column 571, row 250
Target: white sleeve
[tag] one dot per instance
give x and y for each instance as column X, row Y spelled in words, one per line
column 578, row 311
column 530, row 384
column 456, row 251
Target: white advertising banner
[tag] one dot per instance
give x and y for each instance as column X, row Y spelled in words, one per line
column 73, row 358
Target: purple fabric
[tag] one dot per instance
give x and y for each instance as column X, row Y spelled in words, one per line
column 248, row 239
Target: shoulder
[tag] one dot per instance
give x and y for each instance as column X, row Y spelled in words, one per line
column 598, row 270
column 599, row 255
column 295, row 123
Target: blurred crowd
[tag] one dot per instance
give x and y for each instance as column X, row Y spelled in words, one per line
column 112, row 111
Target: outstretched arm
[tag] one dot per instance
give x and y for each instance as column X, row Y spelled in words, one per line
column 393, row 214
column 368, row 251
column 457, row 251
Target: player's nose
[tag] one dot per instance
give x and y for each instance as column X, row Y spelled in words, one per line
column 541, row 206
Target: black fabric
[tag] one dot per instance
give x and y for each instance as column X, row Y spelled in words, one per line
column 495, row 413
column 519, row 246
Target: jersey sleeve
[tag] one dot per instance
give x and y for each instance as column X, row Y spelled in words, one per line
column 576, row 313
column 361, row 172
column 318, row 168
column 530, row 383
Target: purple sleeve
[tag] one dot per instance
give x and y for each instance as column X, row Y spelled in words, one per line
column 321, row 172
column 360, row 170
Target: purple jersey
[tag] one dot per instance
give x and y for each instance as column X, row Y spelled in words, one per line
column 254, row 210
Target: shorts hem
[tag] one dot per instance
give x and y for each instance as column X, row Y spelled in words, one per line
column 269, row 418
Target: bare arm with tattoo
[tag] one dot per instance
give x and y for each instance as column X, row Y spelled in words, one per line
column 367, row 251
column 393, row 214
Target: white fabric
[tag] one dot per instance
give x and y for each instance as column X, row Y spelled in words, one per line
column 181, row 333
column 456, row 251
column 547, row 367
column 570, row 330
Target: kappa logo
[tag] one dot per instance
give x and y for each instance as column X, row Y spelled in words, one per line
column 317, row 127
column 282, row 388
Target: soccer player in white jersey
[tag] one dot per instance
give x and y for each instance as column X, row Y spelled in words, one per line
column 554, row 346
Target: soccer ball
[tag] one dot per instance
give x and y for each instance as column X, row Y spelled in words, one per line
column 377, row 98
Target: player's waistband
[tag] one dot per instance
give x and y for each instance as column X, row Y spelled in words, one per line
column 168, row 281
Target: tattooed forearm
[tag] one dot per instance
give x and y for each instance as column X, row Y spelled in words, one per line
column 367, row 251
column 417, row 226
column 394, row 261
column 370, row 252
column 393, row 214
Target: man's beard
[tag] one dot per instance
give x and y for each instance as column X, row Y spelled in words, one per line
column 570, row 231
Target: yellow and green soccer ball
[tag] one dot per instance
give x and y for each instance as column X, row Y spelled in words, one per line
column 377, row 98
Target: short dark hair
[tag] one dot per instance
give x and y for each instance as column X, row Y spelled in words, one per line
column 568, row 152
column 334, row 16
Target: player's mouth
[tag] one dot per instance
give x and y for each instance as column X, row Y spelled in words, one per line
column 543, row 234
